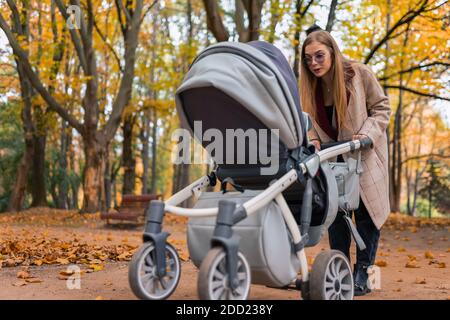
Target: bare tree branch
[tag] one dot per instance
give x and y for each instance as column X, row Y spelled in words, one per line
column 405, row 19
column 331, row 15
column 214, row 21
column 102, row 36
column 124, row 94
column 423, row 94
column 75, row 38
column 418, row 67
column 150, row 7
column 434, row 155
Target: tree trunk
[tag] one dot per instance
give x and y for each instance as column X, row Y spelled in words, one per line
column 107, row 177
column 274, row 19
column 331, row 15
column 93, row 186
column 20, row 184
column 128, row 159
column 144, row 136
column 38, row 185
column 154, row 151
column 63, row 201
column 214, row 20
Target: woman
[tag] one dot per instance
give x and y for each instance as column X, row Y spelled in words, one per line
column 345, row 101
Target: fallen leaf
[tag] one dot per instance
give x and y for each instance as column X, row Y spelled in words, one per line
column 441, row 265
column 184, row 256
column 420, row 281
column 96, row 267
column 412, row 264
column 19, row 283
column 381, row 263
column 37, row 262
column 62, row 261
column 33, row 280
column 99, row 298
column 23, row 274
column 429, row 255
column 412, row 257
column 401, row 249
column 397, row 290
column 67, row 273
column 400, row 280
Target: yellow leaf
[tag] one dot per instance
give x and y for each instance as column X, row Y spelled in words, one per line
column 33, row 280
column 401, row 249
column 412, row 257
column 62, row 261
column 420, row 281
column 184, row 256
column 96, row 267
column 23, row 275
column 381, row 263
column 429, row 255
column 37, row 262
column 412, row 264
column 67, row 273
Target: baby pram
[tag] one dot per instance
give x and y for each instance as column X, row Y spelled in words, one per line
column 258, row 233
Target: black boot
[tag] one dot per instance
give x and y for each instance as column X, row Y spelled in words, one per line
column 360, row 278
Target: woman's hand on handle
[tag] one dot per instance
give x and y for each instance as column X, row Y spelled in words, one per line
column 316, row 144
column 365, row 140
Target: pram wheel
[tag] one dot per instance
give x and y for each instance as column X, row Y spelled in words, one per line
column 331, row 277
column 142, row 276
column 213, row 277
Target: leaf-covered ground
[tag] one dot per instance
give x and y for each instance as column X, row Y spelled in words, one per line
column 38, row 248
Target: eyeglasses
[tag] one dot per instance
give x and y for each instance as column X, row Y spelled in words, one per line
column 318, row 57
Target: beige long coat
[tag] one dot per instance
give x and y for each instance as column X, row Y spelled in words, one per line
column 368, row 113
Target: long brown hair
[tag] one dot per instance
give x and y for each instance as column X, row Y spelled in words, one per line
column 342, row 76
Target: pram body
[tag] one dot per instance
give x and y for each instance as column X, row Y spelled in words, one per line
column 258, row 234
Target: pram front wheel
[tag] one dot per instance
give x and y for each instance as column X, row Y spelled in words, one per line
column 142, row 275
column 331, row 277
column 213, row 277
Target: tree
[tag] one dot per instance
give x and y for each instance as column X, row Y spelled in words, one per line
column 95, row 139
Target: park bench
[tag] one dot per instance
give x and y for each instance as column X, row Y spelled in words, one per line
column 131, row 209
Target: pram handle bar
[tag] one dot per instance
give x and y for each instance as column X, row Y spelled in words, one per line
column 366, row 142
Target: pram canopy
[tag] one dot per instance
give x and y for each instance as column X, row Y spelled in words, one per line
column 250, row 85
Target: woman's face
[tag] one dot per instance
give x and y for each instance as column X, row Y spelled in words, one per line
column 318, row 58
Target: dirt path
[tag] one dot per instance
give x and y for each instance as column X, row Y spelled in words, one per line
column 424, row 247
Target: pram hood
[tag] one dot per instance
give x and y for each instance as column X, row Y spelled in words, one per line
column 257, row 76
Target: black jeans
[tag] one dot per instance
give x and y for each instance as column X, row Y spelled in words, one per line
column 340, row 236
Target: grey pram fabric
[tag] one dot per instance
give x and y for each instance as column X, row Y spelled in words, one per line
column 250, row 77
column 347, row 178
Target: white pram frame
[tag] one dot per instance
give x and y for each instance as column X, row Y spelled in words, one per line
column 272, row 193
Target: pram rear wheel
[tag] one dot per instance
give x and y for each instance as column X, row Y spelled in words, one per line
column 331, row 277
column 142, row 276
column 213, row 277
